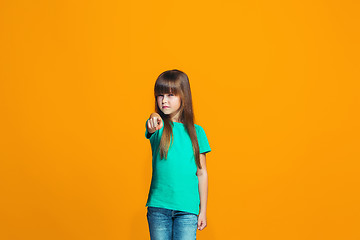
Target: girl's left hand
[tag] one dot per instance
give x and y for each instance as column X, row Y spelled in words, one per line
column 201, row 221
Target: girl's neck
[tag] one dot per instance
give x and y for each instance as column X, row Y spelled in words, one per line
column 175, row 120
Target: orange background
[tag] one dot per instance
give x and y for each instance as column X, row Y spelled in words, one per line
column 275, row 86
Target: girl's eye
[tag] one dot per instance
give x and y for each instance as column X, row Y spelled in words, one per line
column 171, row 94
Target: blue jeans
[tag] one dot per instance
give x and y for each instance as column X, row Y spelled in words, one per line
column 166, row 224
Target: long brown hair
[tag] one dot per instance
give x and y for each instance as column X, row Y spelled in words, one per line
column 176, row 82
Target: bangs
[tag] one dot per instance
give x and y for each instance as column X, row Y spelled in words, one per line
column 166, row 87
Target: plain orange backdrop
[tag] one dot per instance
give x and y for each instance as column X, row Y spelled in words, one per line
column 275, row 85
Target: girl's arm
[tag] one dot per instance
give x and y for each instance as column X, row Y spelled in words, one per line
column 203, row 191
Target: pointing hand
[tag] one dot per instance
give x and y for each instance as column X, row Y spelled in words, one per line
column 154, row 123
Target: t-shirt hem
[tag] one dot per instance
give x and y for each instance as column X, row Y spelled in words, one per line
column 173, row 208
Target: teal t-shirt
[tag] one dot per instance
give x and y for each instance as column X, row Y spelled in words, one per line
column 174, row 183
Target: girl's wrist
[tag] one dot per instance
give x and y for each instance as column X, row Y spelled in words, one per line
column 203, row 212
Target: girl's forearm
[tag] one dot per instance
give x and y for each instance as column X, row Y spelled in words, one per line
column 203, row 191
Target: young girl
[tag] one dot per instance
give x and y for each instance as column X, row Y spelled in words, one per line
column 179, row 184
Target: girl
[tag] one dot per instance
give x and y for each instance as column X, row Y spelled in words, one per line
column 179, row 184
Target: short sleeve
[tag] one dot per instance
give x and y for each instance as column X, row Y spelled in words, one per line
column 204, row 146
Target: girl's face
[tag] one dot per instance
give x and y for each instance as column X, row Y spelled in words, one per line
column 168, row 103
